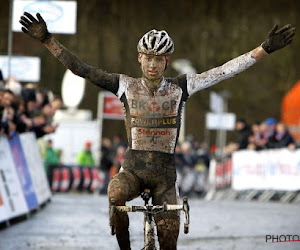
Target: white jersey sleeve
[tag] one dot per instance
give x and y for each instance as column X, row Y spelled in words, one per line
column 196, row 82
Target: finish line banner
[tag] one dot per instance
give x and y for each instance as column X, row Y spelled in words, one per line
column 267, row 169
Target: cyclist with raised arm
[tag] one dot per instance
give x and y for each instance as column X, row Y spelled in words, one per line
column 152, row 106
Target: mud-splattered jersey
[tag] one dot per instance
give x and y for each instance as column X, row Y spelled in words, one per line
column 153, row 119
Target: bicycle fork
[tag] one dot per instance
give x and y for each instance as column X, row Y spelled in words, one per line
column 149, row 235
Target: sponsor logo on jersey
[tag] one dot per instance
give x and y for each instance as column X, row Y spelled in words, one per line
column 154, row 122
column 153, row 106
column 153, row 132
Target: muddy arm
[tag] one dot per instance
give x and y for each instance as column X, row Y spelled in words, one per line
column 78, row 67
column 276, row 39
column 37, row 29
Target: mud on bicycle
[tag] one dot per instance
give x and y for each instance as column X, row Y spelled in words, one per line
column 149, row 210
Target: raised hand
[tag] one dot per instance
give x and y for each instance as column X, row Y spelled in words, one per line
column 35, row 28
column 278, row 39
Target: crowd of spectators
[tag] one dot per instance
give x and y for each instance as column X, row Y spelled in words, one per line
column 268, row 134
column 25, row 108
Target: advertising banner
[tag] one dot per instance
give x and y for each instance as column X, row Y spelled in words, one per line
column 60, row 16
column 13, row 202
column 223, row 121
column 113, row 107
column 35, row 166
column 4, row 213
column 109, row 106
column 23, row 172
column 268, row 169
column 24, row 68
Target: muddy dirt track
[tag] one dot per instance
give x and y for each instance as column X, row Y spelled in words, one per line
column 80, row 221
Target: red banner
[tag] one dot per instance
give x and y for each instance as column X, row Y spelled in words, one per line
column 113, row 107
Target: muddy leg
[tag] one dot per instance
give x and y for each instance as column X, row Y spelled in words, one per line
column 167, row 223
column 123, row 187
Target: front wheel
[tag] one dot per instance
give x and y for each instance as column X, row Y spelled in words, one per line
column 186, row 210
column 112, row 212
column 149, row 236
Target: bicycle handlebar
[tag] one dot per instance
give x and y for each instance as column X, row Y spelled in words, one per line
column 160, row 208
column 150, row 208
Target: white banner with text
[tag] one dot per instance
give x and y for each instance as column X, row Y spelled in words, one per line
column 36, row 166
column 13, row 201
column 267, row 169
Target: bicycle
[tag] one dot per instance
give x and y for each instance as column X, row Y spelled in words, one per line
column 149, row 210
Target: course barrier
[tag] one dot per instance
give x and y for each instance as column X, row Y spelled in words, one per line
column 63, row 178
column 266, row 170
column 23, row 182
column 262, row 175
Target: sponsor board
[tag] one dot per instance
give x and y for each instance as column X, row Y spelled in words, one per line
column 268, row 169
column 24, row 68
column 13, row 200
column 60, row 16
column 35, row 166
column 23, row 172
column 4, row 213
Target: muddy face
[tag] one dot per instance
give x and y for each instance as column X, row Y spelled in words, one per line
column 153, row 67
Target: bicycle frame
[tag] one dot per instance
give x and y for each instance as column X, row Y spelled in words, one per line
column 149, row 210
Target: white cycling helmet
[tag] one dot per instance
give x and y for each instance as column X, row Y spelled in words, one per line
column 156, row 43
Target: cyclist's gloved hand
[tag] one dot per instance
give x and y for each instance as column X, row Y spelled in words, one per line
column 278, row 39
column 35, row 28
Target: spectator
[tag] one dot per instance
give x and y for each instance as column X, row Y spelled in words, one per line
column 29, row 97
column 85, row 157
column 188, row 172
column 2, row 84
column 51, row 156
column 178, row 159
column 256, row 140
column 243, row 133
column 44, row 117
column 271, row 127
column 106, row 162
column 14, row 85
column 201, row 172
column 203, row 152
column 7, row 113
column 56, row 104
column 281, row 138
column 118, row 161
